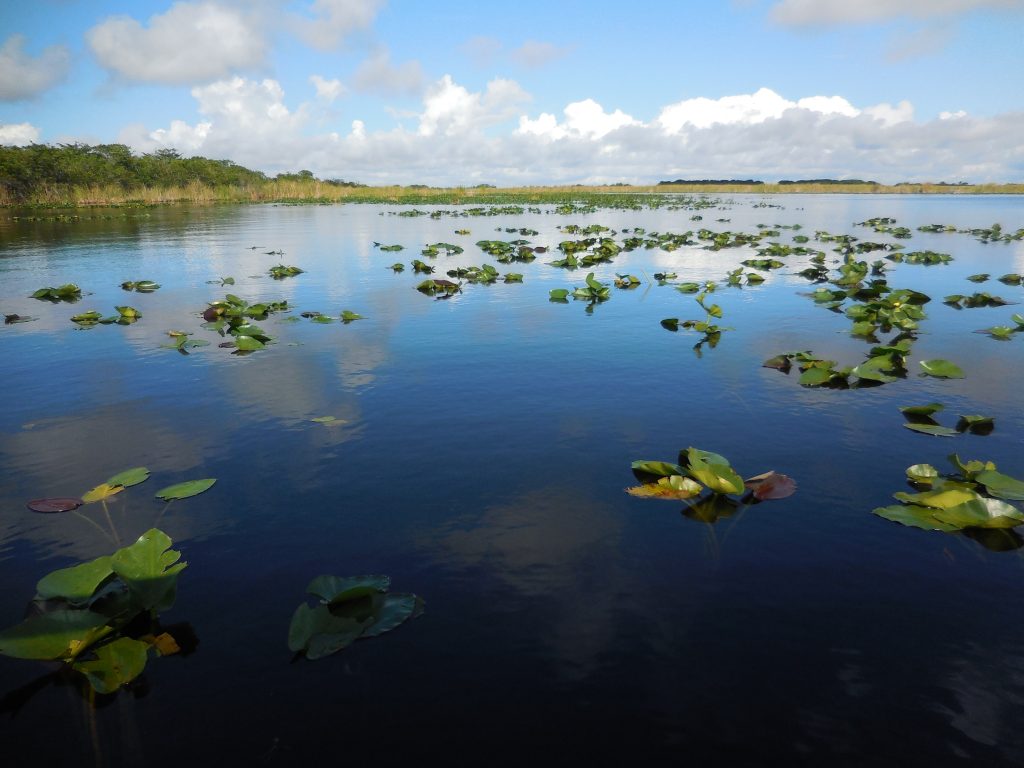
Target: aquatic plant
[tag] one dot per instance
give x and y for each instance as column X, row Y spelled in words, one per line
column 100, row 618
column 348, row 609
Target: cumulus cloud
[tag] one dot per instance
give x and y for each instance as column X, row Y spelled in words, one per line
column 23, row 76
column 18, row 134
column 450, row 109
column 378, row 74
column 328, row 22
column 190, row 43
column 828, row 12
column 459, row 137
column 534, row 54
column 585, row 119
column 327, row 90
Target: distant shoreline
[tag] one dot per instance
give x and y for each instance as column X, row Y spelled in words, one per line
column 317, row 192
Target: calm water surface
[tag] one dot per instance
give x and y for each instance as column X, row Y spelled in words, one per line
column 481, row 464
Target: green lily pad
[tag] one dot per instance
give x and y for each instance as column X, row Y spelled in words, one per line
column 77, row 583
column 914, row 516
column 1000, row 485
column 942, row 369
column 981, row 513
column 53, row 635
column 390, row 611
column 938, row 499
column 318, row 632
column 647, row 471
column 101, row 492
column 925, row 474
column 150, row 568
column 932, row 429
column 130, row 477
column 336, row 589
column 115, row 664
column 922, row 410
column 186, row 489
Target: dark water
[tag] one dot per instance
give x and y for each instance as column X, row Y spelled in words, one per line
column 486, row 444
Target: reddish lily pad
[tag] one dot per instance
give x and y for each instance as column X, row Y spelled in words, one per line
column 771, row 485
column 56, row 504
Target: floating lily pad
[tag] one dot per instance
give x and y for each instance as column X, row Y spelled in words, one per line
column 77, row 583
column 1000, row 485
column 672, row 488
column 114, row 664
column 942, row 369
column 924, row 474
column 130, row 477
column 770, row 485
column 53, row 635
column 150, row 569
column 186, row 489
column 101, row 492
column 914, row 516
column 56, row 504
column 922, row 410
column 337, row 589
column 932, row 429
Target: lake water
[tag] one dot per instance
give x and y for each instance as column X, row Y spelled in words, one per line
column 485, row 445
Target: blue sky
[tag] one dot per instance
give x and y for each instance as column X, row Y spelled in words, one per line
column 408, row 91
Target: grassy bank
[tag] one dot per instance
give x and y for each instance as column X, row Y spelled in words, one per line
column 313, row 191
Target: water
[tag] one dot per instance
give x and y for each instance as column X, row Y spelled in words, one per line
column 481, row 464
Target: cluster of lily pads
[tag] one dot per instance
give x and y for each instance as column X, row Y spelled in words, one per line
column 975, row 496
column 707, row 483
column 232, row 316
column 920, row 419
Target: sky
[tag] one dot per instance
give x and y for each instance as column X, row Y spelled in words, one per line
column 462, row 92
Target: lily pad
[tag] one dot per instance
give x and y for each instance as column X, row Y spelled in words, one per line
column 672, row 488
column 56, row 504
column 77, row 583
column 150, row 568
column 924, row 474
column 942, row 369
column 336, row 589
column 130, row 477
column 922, row 410
column 53, row 635
column 770, row 485
column 932, row 429
column 115, row 664
column 185, row 490
column 101, row 492
column 1000, row 485
column 914, row 516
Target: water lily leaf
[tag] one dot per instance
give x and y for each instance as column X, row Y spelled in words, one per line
column 1000, row 485
column 150, row 568
column 815, row 377
column 981, row 513
column 53, row 635
column 115, row 664
column 771, row 485
column 325, row 419
column 559, row 294
column 922, row 473
column 186, row 489
column 77, row 583
column 648, row 471
column 670, row 324
column 720, row 478
column 337, row 589
column 922, row 410
column 56, row 504
column 976, row 424
column 130, row 477
column 391, row 611
column 913, row 516
column 248, row 343
column 970, row 468
column 319, row 633
column 673, row 487
column 933, row 429
column 942, row 369
column 938, row 499
column 348, row 316
column 101, row 492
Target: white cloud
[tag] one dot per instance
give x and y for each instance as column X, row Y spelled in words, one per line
column 23, row 76
column 378, row 74
column 585, row 119
column 450, row 109
column 535, row 54
column 826, row 12
column 327, row 90
column 18, row 134
column 460, row 138
column 190, row 43
column 328, row 22
column 746, row 109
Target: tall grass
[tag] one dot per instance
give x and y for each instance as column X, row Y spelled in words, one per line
column 313, row 191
